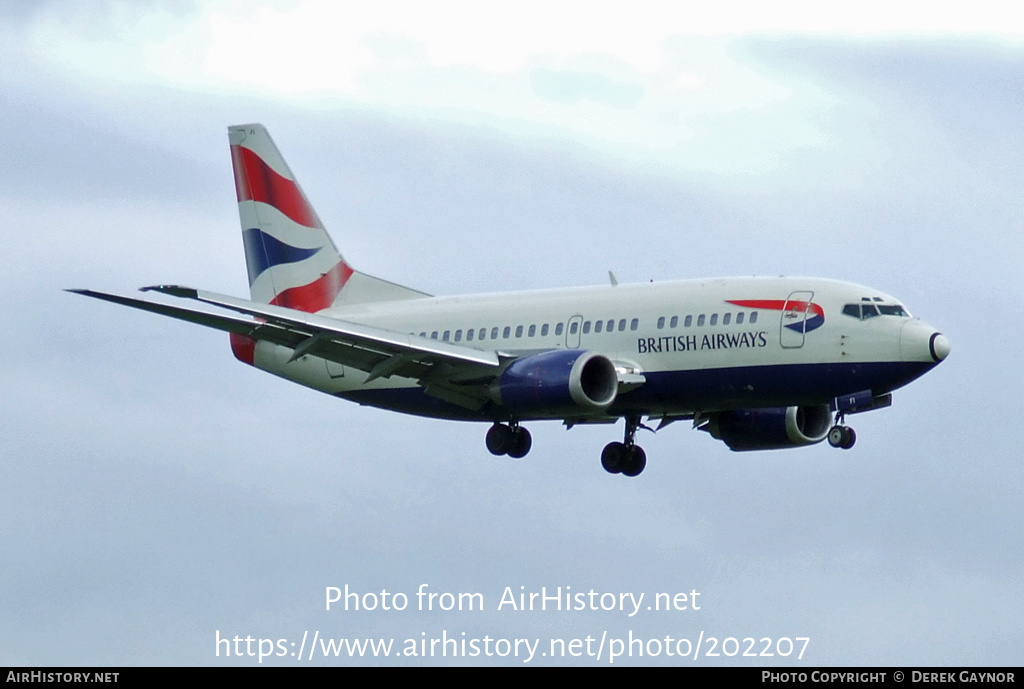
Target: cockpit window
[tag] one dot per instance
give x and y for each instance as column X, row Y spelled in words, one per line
column 893, row 310
column 864, row 311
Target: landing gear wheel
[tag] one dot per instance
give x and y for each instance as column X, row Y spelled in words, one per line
column 613, row 457
column 521, row 443
column 626, row 458
column 499, row 439
column 842, row 437
column 835, row 436
column 636, row 461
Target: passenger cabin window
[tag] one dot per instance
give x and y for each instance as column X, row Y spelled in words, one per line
column 739, row 318
column 622, row 325
column 506, row 332
column 726, row 318
column 674, row 322
column 661, row 322
column 700, row 320
column 586, row 327
column 532, row 331
column 433, row 335
column 753, row 318
column 559, row 327
column 688, row 322
column 519, row 331
column 544, row 330
column 598, row 326
column 574, row 328
column 447, row 335
column 458, row 336
column 634, row 324
column 610, row 325
column 714, row 319
column 469, row 335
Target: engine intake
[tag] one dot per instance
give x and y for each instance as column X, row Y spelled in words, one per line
column 771, row 429
column 563, row 380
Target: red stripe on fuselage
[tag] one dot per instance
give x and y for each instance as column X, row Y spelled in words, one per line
column 257, row 181
column 779, row 305
column 317, row 295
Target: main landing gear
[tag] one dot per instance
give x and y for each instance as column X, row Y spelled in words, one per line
column 626, row 458
column 512, row 440
column 841, row 436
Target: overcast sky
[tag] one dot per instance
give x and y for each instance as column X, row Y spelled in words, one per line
column 154, row 492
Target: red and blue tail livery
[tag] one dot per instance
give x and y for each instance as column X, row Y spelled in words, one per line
column 754, row 362
column 290, row 258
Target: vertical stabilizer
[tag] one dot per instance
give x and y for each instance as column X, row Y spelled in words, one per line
column 291, row 259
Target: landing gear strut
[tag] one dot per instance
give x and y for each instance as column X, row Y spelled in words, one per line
column 841, row 436
column 512, row 440
column 626, row 458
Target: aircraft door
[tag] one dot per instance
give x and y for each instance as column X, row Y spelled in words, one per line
column 572, row 332
column 794, row 319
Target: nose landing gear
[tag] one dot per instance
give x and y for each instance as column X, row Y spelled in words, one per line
column 841, row 436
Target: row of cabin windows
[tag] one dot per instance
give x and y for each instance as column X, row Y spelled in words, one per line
column 506, row 332
column 726, row 320
column 606, row 326
column 531, row 330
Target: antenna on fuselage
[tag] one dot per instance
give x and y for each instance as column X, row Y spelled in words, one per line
column 614, row 281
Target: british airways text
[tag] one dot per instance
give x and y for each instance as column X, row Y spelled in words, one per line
column 693, row 343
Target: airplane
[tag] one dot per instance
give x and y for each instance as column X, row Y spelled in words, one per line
column 759, row 363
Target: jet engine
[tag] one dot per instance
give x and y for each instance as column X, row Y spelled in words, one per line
column 561, row 380
column 770, row 429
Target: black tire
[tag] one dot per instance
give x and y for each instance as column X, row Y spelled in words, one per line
column 521, row 443
column 499, row 439
column 636, row 461
column 613, row 457
column 836, row 436
column 850, row 439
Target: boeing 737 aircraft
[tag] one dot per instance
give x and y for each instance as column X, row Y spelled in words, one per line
column 759, row 363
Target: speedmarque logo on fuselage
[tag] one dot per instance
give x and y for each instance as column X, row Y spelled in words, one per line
column 813, row 314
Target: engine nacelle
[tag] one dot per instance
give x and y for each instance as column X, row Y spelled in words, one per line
column 771, row 429
column 563, row 380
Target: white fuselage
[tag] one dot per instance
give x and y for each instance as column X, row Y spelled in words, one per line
column 699, row 345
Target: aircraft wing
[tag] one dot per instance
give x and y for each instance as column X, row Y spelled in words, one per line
column 446, row 369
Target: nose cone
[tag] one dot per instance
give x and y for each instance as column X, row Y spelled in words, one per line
column 921, row 342
column 939, row 345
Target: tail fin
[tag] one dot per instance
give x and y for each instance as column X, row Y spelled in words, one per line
column 291, row 259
